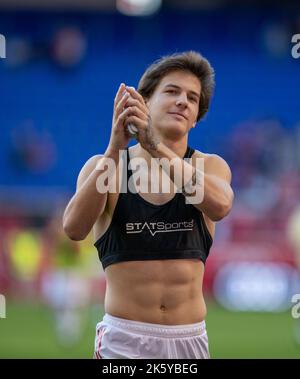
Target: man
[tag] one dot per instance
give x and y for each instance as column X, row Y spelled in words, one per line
column 153, row 244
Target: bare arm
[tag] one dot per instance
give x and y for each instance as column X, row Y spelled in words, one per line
column 215, row 176
column 88, row 203
column 217, row 192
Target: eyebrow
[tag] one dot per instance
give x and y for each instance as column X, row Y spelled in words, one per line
column 177, row 87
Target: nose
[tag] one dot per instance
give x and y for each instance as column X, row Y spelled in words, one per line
column 182, row 100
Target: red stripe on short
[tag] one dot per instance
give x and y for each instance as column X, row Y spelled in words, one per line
column 100, row 335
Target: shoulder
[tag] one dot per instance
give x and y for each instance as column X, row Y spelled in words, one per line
column 87, row 168
column 214, row 164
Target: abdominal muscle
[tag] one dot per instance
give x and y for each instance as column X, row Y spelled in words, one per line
column 167, row 292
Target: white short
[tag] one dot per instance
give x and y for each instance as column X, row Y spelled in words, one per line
column 117, row 338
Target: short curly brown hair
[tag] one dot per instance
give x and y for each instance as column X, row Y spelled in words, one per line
column 190, row 61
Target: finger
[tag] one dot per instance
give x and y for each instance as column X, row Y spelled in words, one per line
column 136, row 121
column 134, row 93
column 135, row 111
column 121, row 104
column 133, row 102
column 119, row 94
column 123, row 116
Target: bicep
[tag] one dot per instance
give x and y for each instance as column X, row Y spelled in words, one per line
column 86, row 170
column 219, row 168
column 216, row 166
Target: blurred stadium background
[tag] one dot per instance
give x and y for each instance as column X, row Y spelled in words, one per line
column 64, row 62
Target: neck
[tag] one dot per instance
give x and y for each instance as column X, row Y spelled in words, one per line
column 178, row 147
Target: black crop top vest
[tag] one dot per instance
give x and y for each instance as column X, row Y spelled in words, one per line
column 142, row 231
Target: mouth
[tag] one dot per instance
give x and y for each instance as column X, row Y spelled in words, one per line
column 178, row 114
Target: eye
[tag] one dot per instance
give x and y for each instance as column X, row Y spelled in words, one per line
column 193, row 99
column 170, row 91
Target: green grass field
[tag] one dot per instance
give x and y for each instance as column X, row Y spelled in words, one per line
column 28, row 332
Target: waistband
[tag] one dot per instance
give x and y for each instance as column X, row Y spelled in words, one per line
column 156, row 330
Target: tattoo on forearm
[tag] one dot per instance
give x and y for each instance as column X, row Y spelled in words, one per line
column 151, row 140
column 190, row 185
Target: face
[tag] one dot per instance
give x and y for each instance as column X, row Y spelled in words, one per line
column 174, row 104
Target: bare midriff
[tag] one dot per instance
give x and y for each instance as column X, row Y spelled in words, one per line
column 167, row 292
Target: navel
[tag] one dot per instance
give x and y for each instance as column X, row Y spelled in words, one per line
column 162, row 308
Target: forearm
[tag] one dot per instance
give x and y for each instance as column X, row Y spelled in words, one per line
column 89, row 201
column 214, row 196
column 217, row 198
column 179, row 171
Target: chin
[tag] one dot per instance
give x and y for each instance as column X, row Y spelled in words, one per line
column 172, row 131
